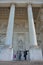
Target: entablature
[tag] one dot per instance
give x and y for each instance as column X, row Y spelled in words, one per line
column 21, row 3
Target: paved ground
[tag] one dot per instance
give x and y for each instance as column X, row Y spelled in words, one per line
column 20, row 63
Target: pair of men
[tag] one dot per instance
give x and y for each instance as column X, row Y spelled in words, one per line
column 24, row 54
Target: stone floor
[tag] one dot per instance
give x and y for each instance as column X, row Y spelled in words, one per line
column 20, row 63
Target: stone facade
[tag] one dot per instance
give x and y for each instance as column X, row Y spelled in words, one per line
column 21, row 28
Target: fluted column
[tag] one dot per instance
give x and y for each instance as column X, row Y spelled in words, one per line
column 9, row 34
column 32, row 33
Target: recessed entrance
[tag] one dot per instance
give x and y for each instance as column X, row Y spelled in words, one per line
column 20, row 35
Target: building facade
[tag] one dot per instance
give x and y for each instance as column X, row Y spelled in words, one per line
column 21, row 28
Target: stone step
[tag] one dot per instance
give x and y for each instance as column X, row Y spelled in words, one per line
column 21, row 63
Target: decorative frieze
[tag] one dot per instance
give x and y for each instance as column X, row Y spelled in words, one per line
column 21, row 25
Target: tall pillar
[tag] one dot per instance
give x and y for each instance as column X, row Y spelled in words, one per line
column 9, row 34
column 32, row 33
column 35, row 52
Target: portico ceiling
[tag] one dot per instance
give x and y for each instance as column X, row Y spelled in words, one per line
column 20, row 13
column 35, row 12
column 4, row 12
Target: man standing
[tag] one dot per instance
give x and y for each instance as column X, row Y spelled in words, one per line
column 19, row 55
column 25, row 54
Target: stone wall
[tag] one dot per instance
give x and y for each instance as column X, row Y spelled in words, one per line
column 3, row 29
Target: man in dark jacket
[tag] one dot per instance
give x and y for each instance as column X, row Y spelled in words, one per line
column 25, row 53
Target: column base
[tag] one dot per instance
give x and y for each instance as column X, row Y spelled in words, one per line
column 35, row 54
column 6, row 54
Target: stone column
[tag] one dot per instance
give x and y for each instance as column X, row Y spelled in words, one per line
column 32, row 33
column 35, row 52
column 9, row 34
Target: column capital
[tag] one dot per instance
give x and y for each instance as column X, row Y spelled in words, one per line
column 12, row 5
column 30, row 8
column 30, row 4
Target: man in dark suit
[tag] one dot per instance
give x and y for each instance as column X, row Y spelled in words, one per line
column 25, row 53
